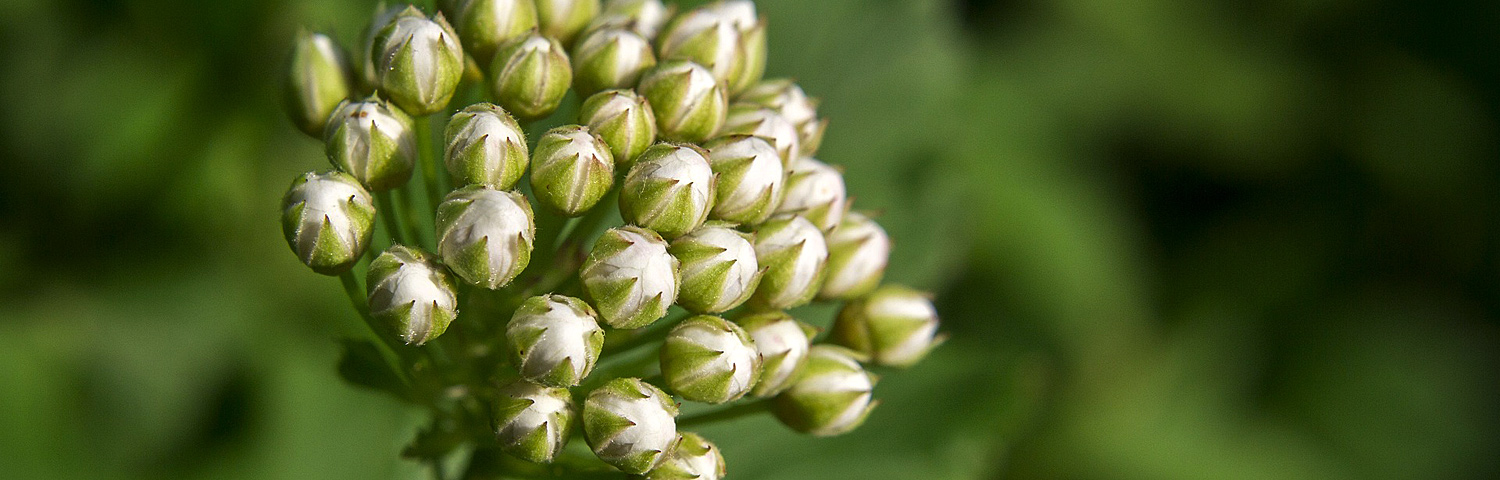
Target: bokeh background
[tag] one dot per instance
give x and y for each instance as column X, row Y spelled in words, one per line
column 1171, row 240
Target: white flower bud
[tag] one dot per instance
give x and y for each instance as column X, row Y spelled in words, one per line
column 610, row 58
column 690, row 104
column 532, row 421
column 484, row 25
column 694, row 458
column 630, row 424
column 565, row 19
column 646, row 17
column 719, row 270
column 328, row 219
column 791, row 102
column 630, row 277
column 894, row 326
column 530, row 75
column 485, row 235
column 624, row 120
column 858, row 250
column 554, row 340
column 707, row 37
column 573, row 171
column 485, row 146
column 372, row 141
column 794, row 253
column 369, row 75
column 830, row 397
column 750, row 177
column 419, row 62
column 317, row 80
column 708, row 359
column 783, row 343
column 816, row 191
column 410, row 289
column 670, row 190
column 749, row 119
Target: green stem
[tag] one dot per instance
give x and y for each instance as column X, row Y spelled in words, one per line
column 427, row 157
column 727, row 413
column 406, row 209
column 382, row 342
column 651, row 334
column 620, row 366
column 388, row 215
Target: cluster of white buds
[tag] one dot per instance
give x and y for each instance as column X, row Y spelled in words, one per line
column 680, row 209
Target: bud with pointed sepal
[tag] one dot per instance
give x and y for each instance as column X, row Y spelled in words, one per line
column 791, row 102
column 670, row 189
column 328, row 218
column 533, row 422
column 707, row 36
column 554, row 340
column 750, row 119
column 832, row 395
column 753, row 44
column 373, row 141
column 610, row 58
column 623, row 119
column 708, row 359
column 794, row 254
column 719, row 270
column 858, row 250
column 410, row 289
column 317, row 80
column 816, row 191
column 573, row 170
column 748, row 178
column 484, row 25
column 531, row 74
column 645, row 17
column 485, row 146
column 369, row 75
column 630, row 277
column 565, row 19
column 894, row 325
column 485, row 235
column 783, row 343
column 690, row 104
column 693, row 458
column 630, row 424
column 419, row 62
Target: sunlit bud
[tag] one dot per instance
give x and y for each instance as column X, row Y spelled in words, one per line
column 573, row 170
column 708, row 359
column 645, row 17
column 690, row 104
column 412, row 291
column 373, row 141
column 484, row 25
column 418, row 61
column 532, row 421
column 485, row 235
column 531, row 74
column 751, row 119
column 858, row 250
column 630, row 277
column 753, row 44
column 693, row 458
column 623, row 119
column 554, row 340
column 670, row 189
column 791, row 102
column 793, row 252
column 485, row 146
column 708, row 38
column 565, row 19
column 327, row 218
column 894, row 325
column 317, row 80
column 830, row 397
column 816, row 191
column 609, row 58
column 749, row 178
column 369, row 75
column 719, row 270
column 630, row 424
column 782, row 342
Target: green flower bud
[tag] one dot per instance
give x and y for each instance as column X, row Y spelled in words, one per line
column 623, row 119
column 670, row 190
column 328, row 218
column 793, row 252
column 532, row 421
column 630, row 424
column 372, row 141
column 317, row 80
column 749, row 178
column 894, row 326
column 858, row 251
column 610, row 58
column 753, row 44
column 719, row 271
column 791, row 102
column 645, row 17
column 750, row 119
column 816, row 191
column 830, row 397
column 693, row 458
column 369, row 75
column 410, row 289
column 484, row 25
column 630, row 277
column 689, row 103
column 485, row 235
column 531, row 76
column 419, row 62
column 708, row 359
column 485, row 146
column 554, row 340
column 708, row 37
column 573, row 171
column 783, row 343
column 565, row 19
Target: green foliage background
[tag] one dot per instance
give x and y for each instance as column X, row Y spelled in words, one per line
column 1171, row 239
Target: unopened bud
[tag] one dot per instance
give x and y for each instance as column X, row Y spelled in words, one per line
column 328, row 218
column 830, row 397
column 485, row 146
column 609, row 58
column 410, row 289
column 573, row 170
column 369, row 74
column 750, row 119
column 645, row 17
column 708, row 37
column 794, row 254
column 554, row 340
column 858, row 250
column 532, row 421
column 565, row 19
column 670, row 189
column 693, row 458
column 485, row 235
column 630, row 424
column 816, row 191
column 484, row 25
column 753, row 44
column 783, row 343
column 531, row 76
column 690, row 104
column 623, row 119
column 630, row 277
column 373, row 141
column 749, row 178
column 419, row 62
column 894, row 325
column 719, row 270
column 317, row 80
column 708, row 359
column 791, row 102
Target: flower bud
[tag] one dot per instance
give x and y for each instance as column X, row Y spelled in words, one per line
column 793, row 252
column 693, row 458
column 328, row 218
column 748, row 178
column 858, row 250
column 609, row 58
column 531, row 74
column 317, row 80
column 753, row 44
column 719, row 270
column 670, row 190
column 894, row 326
column 623, row 119
column 630, row 424
column 372, row 141
column 565, row 19
column 369, row 75
column 816, row 191
column 708, row 37
column 708, row 359
column 485, row 235
column 484, row 25
column 830, row 397
column 782, row 342
column 554, row 340
column 410, row 289
column 749, row 119
column 419, row 62
column 532, row 421
column 689, row 103
column 630, row 277
column 573, row 170
column 485, row 146
column 645, row 17
column 791, row 102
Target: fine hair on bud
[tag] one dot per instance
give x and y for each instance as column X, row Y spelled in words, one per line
column 750, row 178
column 412, row 291
column 610, row 58
column 783, row 343
column 533, row 422
column 554, row 340
column 485, row 146
column 858, row 251
column 418, row 61
column 485, row 235
column 719, row 269
column 565, row 19
column 815, row 191
column 894, row 326
column 670, row 189
column 690, row 104
column 794, row 254
column 530, row 75
column 708, row 359
column 832, row 395
column 750, row 119
column 624, row 120
column 574, row 169
column 484, row 25
column 693, row 458
column 318, row 78
column 373, row 141
column 645, row 17
column 630, row 277
column 630, row 424
column 328, row 219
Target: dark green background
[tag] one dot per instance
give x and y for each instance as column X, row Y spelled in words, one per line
column 1171, row 240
